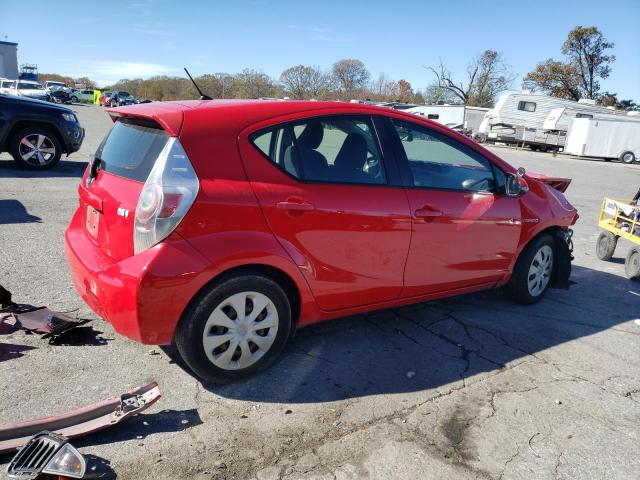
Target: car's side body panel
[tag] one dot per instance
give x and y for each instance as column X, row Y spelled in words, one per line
column 346, row 258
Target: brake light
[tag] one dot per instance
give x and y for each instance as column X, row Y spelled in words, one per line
column 167, row 195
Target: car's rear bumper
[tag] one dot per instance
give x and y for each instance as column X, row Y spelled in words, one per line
column 142, row 296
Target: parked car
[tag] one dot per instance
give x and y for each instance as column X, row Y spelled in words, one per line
column 104, row 99
column 223, row 226
column 35, row 133
column 118, row 99
column 5, row 85
column 28, row 88
column 53, row 85
column 82, row 96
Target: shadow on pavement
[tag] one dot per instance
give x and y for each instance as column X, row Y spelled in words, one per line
column 66, row 168
column 429, row 345
column 11, row 351
column 13, row 211
column 141, row 426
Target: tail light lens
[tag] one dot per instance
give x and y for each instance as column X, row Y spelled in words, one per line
column 166, row 197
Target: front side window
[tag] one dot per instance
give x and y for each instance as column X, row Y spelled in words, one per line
column 437, row 161
column 584, row 115
column 338, row 149
column 527, row 106
column 433, row 116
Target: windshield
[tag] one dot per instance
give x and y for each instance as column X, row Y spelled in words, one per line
column 56, row 84
column 124, row 94
column 6, row 83
column 29, row 86
column 131, row 148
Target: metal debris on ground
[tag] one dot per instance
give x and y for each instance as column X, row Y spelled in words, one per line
column 35, row 319
column 82, row 421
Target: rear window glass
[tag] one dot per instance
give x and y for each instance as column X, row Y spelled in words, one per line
column 131, row 148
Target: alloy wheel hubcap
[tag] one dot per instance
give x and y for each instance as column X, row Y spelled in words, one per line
column 37, row 149
column 240, row 330
column 540, row 270
column 627, row 157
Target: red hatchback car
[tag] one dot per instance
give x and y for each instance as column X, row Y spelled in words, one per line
column 224, row 225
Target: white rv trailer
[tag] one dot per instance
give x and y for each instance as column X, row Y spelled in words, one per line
column 464, row 118
column 520, row 118
column 613, row 137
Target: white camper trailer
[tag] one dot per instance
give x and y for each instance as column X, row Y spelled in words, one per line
column 459, row 117
column 520, row 118
column 605, row 138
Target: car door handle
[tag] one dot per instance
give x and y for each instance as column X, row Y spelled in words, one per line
column 427, row 213
column 295, row 206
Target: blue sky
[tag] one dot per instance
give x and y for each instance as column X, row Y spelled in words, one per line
column 117, row 39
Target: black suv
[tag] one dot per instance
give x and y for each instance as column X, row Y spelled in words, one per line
column 118, row 99
column 36, row 133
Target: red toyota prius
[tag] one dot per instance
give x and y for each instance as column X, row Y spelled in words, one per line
column 224, row 225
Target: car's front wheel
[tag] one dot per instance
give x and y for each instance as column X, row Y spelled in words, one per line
column 533, row 271
column 35, row 148
column 235, row 329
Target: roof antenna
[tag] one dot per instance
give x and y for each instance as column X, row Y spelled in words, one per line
column 202, row 95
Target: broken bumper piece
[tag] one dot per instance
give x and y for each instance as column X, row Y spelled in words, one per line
column 47, row 453
column 82, row 421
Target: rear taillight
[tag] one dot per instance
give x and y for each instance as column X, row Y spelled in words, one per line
column 166, row 197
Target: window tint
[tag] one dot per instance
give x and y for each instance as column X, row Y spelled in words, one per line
column 437, row 161
column 527, row 106
column 433, row 116
column 131, row 148
column 584, row 115
column 339, row 149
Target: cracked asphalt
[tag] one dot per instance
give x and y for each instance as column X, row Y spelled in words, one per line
column 472, row 387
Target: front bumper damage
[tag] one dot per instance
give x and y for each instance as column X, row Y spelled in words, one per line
column 82, row 421
column 564, row 252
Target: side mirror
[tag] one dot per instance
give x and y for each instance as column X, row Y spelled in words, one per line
column 516, row 185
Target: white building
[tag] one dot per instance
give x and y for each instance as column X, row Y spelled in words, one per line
column 8, row 60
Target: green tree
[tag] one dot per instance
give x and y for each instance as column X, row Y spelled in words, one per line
column 586, row 62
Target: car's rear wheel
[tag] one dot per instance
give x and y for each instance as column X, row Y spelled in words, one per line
column 35, row 148
column 632, row 264
column 235, row 329
column 74, row 99
column 533, row 271
column 606, row 246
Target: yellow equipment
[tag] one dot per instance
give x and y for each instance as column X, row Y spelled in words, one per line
column 620, row 219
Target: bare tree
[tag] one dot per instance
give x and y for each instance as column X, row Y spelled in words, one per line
column 488, row 74
column 351, row 76
column 303, row 82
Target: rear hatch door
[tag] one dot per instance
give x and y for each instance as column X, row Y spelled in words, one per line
column 121, row 165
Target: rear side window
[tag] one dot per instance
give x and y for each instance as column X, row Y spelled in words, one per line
column 131, row 148
column 337, row 149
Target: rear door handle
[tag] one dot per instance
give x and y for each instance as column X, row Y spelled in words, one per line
column 295, row 206
column 427, row 213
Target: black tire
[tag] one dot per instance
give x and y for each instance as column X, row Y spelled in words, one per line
column 627, row 157
column 606, row 245
column 518, row 286
column 51, row 139
column 74, row 99
column 190, row 331
column 632, row 264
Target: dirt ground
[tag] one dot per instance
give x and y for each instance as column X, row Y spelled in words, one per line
column 468, row 387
